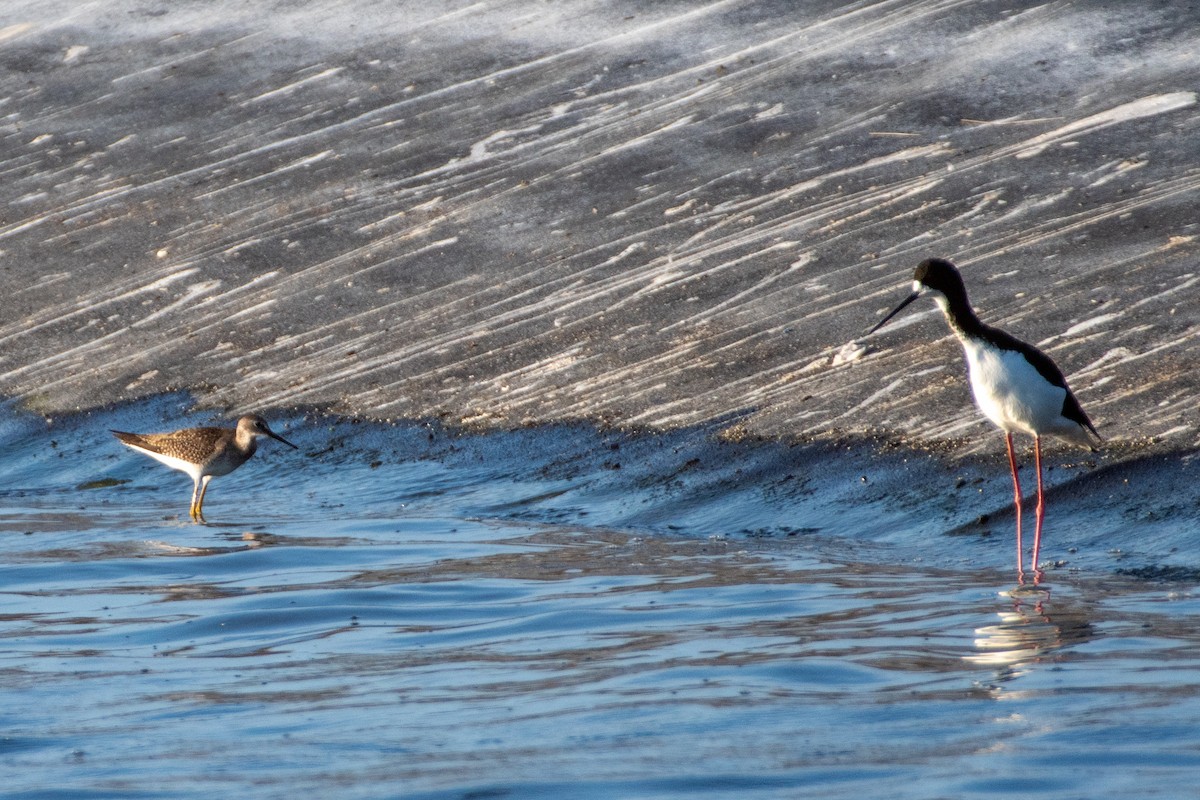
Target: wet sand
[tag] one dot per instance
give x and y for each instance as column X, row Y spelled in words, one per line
column 658, row 216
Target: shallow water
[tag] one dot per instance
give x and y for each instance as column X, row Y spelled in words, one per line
column 400, row 611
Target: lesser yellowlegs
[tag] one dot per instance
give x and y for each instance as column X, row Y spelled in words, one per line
column 203, row 453
column 1015, row 385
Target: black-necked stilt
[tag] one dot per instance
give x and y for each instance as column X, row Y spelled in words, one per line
column 203, row 453
column 1015, row 385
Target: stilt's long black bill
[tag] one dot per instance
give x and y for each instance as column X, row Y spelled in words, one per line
column 895, row 311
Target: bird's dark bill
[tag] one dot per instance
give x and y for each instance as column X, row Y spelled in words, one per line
column 895, row 311
column 275, row 435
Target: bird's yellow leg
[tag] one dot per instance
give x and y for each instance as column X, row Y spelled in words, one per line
column 198, row 513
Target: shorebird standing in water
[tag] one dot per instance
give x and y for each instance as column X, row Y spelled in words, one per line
column 1015, row 385
column 203, row 453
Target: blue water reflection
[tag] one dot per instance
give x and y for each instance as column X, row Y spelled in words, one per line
column 420, row 613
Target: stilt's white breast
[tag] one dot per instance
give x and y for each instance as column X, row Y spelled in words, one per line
column 1011, row 392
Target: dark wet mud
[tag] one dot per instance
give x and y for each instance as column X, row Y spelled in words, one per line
column 643, row 214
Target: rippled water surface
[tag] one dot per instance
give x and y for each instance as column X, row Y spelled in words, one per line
column 400, row 611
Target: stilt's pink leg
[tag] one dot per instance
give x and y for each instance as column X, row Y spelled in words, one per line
column 1012, row 463
column 1041, row 504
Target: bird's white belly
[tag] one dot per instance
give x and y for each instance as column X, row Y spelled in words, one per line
column 1011, row 392
column 193, row 470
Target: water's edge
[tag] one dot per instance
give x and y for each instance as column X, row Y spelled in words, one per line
column 923, row 505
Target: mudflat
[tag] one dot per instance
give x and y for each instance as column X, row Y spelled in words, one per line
column 653, row 216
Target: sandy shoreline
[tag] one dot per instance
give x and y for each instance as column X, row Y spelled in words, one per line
column 497, row 216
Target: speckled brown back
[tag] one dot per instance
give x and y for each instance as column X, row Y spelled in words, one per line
column 196, row 445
